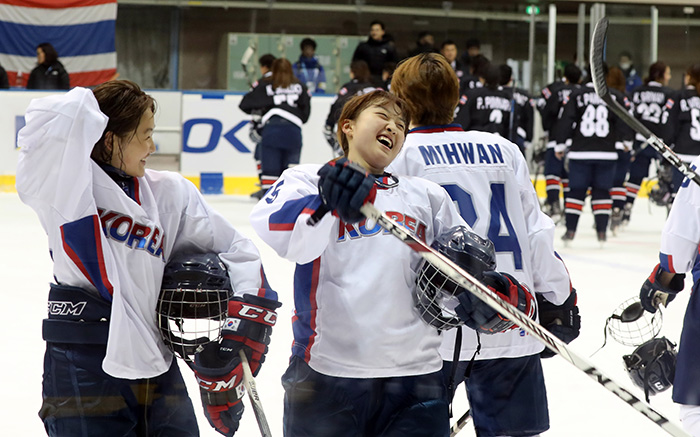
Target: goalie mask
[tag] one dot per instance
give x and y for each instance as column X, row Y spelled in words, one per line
column 193, row 302
column 435, row 293
column 652, row 366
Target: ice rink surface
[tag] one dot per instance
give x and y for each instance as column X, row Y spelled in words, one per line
column 578, row 406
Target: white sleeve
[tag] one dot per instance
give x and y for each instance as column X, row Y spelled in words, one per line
column 203, row 229
column 681, row 233
column 280, row 217
column 549, row 273
column 54, row 172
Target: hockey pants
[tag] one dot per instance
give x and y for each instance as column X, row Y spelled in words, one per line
column 598, row 176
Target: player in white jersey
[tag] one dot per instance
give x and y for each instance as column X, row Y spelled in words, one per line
column 112, row 225
column 363, row 361
column 487, row 177
column 679, row 252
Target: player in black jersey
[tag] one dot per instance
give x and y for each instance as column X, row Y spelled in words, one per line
column 655, row 106
column 470, row 79
column 255, row 132
column 486, row 109
column 285, row 105
column 553, row 97
column 687, row 128
column 522, row 119
column 616, row 80
column 361, row 83
column 592, row 129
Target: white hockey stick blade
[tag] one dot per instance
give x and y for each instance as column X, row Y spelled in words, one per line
column 461, row 423
column 252, row 390
column 465, row 280
column 601, row 88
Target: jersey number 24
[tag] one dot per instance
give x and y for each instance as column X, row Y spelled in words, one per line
column 498, row 215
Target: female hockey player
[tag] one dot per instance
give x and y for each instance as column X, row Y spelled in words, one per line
column 687, row 130
column 285, row 105
column 656, row 107
column 112, row 226
column 363, row 361
column 492, row 187
column 679, row 251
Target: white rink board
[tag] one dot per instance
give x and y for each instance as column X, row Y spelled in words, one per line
column 207, row 147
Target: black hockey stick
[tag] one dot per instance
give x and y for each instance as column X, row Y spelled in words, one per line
column 465, row 280
column 461, row 423
column 601, row 88
column 254, row 397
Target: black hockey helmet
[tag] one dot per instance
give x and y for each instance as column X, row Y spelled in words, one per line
column 193, row 302
column 652, row 366
column 434, row 296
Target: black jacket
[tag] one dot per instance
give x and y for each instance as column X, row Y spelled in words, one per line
column 375, row 54
column 4, row 83
column 45, row 77
column 292, row 103
column 485, row 110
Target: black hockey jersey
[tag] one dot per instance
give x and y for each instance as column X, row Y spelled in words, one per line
column 292, row 103
column 554, row 96
column 350, row 89
column 590, row 127
column 687, row 128
column 521, row 128
column 485, row 110
column 655, row 106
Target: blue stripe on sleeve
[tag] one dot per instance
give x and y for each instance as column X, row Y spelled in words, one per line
column 285, row 217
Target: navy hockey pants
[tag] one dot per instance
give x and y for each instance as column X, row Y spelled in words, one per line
column 639, row 169
column 279, row 149
column 555, row 174
column 596, row 174
column 622, row 167
column 80, row 399
column 316, row 405
column 686, row 383
column 507, row 396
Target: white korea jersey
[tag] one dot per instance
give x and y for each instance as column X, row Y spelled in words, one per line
column 487, row 178
column 353, row 284
column 680, row 252
column 104, row 241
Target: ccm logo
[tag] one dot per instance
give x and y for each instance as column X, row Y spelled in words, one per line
column 218, row 386
column 59, row 308
column 254, row 313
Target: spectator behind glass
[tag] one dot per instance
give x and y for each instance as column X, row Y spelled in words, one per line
column 631, row 75
column 4, row 82
column 308, row 70
column 49, row 74
column 376, row 51
column 424, row 44
column 473, row 49
column 448, row 49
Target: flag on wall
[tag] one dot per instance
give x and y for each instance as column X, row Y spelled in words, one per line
column 81, row 31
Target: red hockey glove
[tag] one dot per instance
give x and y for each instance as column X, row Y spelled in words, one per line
column 249, row 324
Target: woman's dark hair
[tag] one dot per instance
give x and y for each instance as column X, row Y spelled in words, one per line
column 572, row 73
column 124, row 103
column 50, row 53
column 693, row 73
column 360, row 71
column 616, row 79
column 657, row 70
column 282, row 73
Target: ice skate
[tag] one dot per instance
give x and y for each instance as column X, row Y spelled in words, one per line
column 602, row 238
column 616, row 220
column 568, row 237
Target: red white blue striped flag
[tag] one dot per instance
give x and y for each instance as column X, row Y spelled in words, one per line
column 81, row 31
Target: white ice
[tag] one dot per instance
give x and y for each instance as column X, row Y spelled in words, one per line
column 578, row 406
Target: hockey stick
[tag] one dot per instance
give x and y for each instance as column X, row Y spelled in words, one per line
column 465, row 280
column 461, row 423
column 252, row 390
column 601, row 88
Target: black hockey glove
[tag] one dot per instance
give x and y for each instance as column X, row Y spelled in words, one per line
column 563, row 321
column 220, row 377
column 479, row 316
column 344, row 187
column 249, row 325
column 653, row 293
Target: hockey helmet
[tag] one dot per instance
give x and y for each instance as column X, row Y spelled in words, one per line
column 630, row 325
column 193, row 302
column 652, row 366
column 435, row 293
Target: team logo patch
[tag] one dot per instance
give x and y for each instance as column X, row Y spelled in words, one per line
column 232, row 324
